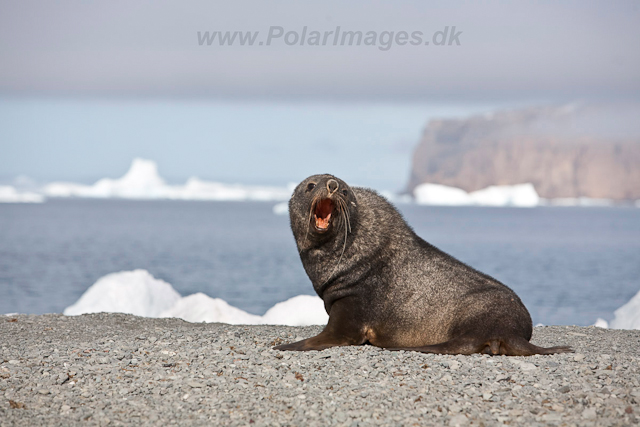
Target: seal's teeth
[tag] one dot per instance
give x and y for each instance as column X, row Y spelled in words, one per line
column 323, row 223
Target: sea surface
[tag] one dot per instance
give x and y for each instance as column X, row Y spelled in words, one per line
column 569, row 265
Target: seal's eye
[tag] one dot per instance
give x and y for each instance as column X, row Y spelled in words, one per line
column 311, row 186
column 345, row 192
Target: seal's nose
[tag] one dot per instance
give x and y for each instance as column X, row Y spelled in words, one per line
column 332, row 186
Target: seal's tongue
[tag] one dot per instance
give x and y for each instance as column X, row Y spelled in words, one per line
column 323, row 213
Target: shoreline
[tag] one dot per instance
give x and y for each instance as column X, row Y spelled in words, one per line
column 117, row 369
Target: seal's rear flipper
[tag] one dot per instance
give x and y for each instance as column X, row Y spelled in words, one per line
column 465, row 344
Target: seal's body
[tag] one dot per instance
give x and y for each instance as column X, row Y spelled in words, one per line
column 383, row 285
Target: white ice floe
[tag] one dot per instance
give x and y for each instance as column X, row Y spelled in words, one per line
column 281, row 208
column 521, row 195
column 577, row 201
column 301, row 310
column 143, row 181
column 139, row 293
column 133, row 292
column 436, row 194
column 9, row 194
column 202, row 308
column 601, row 323
column 626, row 317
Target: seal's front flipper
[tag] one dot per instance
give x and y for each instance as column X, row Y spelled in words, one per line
column 319, row 342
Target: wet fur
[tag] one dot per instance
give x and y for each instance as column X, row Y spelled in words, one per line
column 384, row 285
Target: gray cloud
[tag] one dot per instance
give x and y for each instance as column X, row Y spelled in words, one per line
column 540, row 50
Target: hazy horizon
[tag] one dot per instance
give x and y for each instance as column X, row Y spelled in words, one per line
column 249, row 143
column 86, row 87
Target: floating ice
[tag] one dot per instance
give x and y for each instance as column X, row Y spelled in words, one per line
column 202, row 308
column 436, row 194
column 521, row 195
column 281, row 208
column 302, row 310
column 601, row 323
column 143, row 181
column 628, row 316
column 579, row 201
column 139, row 293
column 9, row 194
column 133, row 292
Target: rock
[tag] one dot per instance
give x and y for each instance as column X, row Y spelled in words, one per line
column 561, row 154
column 459, row 420
column 195, row 384
column 589, row 413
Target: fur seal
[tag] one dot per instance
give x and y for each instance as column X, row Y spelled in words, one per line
column 383, row 285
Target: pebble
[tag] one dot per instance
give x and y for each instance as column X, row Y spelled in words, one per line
column 118, row 369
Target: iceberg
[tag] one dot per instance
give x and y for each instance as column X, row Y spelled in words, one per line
column 142, row 181
column 301, row 310
column 202, row 308
column 133, row 292
column 138, row 292
column 520, row 195
column 436, row 194
column 579, row 201
column 601, row 323
column 281, row 208
column 627, row 316
column 9, row 194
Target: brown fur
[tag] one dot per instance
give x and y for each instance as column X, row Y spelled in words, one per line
column 383, row 285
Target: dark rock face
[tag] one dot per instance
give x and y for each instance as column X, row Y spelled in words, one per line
column 571, row 151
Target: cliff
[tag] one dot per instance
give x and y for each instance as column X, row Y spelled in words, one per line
column 570, row 151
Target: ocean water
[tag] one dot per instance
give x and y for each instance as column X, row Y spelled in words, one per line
column 569, row 265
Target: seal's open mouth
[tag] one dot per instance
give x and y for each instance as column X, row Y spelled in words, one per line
column 323, row 211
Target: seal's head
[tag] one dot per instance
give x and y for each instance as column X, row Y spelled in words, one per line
column 321, row 206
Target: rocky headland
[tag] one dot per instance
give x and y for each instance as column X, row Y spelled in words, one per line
column 570, row 151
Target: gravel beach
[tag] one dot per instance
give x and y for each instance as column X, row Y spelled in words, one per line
column 116, row 369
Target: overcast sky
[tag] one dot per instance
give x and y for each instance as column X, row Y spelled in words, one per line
column 87, row 86
column 508, row 50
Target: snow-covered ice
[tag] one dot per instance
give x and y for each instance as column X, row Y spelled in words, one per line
column 9, row 194
column 134, row 292
column 281, row 208
column 521, row 195
column 626, row 317
column 139, row 293
column 577, row 201
column 202, row 308
column 436, row 194
column 301, row 310
column 143, row 181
